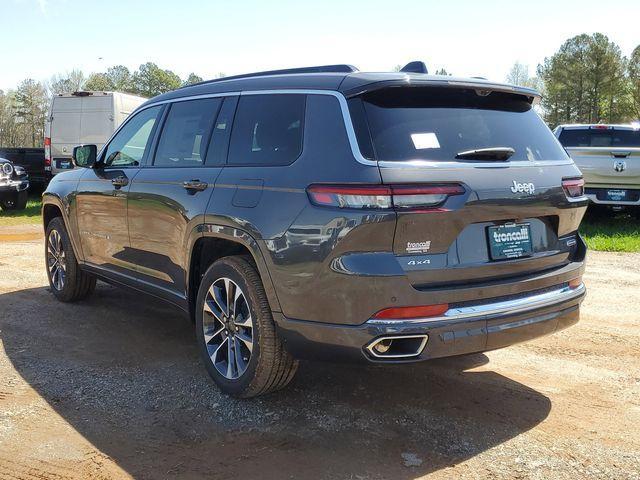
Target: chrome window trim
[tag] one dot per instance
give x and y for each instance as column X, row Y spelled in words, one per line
column 505, row 307
column 351, row 134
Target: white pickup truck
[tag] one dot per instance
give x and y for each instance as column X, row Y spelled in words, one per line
column 609, row 158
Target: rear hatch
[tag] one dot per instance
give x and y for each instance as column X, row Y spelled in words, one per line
column 608, row 156
column 502, row 212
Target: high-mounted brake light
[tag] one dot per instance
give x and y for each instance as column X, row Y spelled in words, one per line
column 573, row 187
column 47, row 152
column 398, row 197
column 601, row 127
column 404, row 313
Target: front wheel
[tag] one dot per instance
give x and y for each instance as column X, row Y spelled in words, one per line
column 68, row 283
column 236, row 333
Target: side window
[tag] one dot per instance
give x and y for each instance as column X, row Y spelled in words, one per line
column 129, row 145
column 219, row 145
column 185, row 135
column 267, row 130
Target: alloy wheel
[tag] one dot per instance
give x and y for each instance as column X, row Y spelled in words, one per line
column 56, row 260
column 228, row 328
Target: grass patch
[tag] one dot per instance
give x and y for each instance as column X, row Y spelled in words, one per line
column 616, row 233
column 30, row 215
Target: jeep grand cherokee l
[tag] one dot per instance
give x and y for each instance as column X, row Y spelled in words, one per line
column 329, row 213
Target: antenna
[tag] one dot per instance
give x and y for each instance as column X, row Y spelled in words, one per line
column 415, row 67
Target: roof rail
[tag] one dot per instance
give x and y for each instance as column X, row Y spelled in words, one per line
column 339, row 68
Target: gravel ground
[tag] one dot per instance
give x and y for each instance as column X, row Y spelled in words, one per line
column 113, row 388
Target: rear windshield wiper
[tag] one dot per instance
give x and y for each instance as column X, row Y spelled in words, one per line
column 492, row 153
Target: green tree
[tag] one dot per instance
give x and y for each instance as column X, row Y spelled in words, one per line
column 585, row 82
column 31, row 102
column 442, row 71
column 191, row 79
column 121, row 78
column 99, row 82
column 633, row 70
column 150, row 80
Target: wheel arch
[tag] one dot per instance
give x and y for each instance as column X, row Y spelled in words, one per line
column 215, row 242
column 52, row 207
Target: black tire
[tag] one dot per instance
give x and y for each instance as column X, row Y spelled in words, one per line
column 269, row 366
column 17, row 202
column 76, row 283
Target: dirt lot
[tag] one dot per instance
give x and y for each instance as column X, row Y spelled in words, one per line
column 112, row 388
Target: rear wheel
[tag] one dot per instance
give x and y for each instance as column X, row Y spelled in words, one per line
column 17, row 202
column 68, row 283
column 236, row 333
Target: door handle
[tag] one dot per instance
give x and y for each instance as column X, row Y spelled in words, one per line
column 196, row 185
column 120, row 181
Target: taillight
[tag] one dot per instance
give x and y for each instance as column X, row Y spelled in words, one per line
column 404, row 313
column 573, row 187
column 47, row 152
column 398, row 197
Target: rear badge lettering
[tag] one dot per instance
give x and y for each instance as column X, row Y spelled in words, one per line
column 418, row 247
column 518, row 187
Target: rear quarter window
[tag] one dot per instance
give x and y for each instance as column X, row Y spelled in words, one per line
column 267, row 130
column 427, row 123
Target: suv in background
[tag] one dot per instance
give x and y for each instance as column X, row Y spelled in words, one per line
column 327, row 213
column 609, row 158
column 14, row 183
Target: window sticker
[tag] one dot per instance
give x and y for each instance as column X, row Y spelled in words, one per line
column 422, row 141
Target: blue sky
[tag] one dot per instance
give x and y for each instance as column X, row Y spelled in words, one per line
column 43, row 37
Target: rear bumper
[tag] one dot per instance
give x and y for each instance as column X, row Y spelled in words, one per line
column 465, row 329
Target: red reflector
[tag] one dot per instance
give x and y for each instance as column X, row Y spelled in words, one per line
column 401, row 313
column 575, row 283
column 47, row 141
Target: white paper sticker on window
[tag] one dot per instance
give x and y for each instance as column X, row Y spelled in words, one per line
column 425, row 140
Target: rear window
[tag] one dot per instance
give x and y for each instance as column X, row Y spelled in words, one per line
column 426, row 123
column 600, row 138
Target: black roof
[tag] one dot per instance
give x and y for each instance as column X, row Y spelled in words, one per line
column 342, row 78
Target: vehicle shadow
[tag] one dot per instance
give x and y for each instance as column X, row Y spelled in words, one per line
column 122, row 369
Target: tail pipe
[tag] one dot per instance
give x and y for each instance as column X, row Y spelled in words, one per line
column 397, row 347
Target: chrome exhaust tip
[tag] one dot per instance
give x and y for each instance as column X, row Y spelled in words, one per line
column 401, row 346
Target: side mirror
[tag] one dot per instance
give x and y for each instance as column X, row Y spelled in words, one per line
column 85, row 156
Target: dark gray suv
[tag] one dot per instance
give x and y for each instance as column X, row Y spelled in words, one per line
column 327, row 213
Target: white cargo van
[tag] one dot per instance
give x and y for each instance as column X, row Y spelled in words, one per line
column 81, row 118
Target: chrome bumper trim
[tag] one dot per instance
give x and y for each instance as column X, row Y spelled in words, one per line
column 511, row 307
